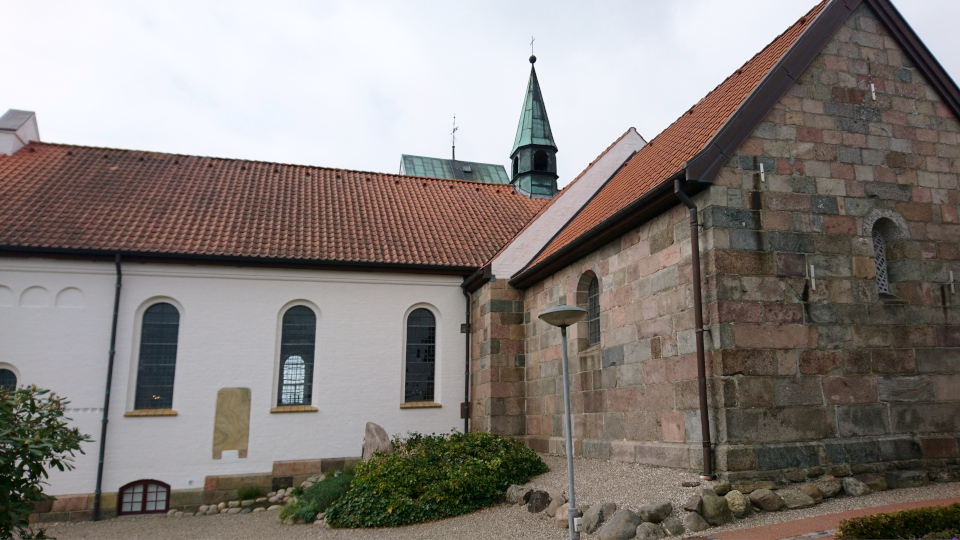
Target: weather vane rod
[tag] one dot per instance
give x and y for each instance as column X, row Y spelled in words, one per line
column 453, row 137
column 532, row 39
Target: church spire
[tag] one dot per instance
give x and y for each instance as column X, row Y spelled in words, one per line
column 534, row 150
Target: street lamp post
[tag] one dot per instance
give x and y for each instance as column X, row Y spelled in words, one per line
column 564, row 316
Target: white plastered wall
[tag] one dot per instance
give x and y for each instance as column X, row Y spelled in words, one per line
column 227, row 338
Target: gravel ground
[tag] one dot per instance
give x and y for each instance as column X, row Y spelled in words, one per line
column 626, row 484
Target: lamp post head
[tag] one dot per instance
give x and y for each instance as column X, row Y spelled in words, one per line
column 562, row 315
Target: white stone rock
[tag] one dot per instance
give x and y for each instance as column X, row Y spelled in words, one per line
column 272, row 494
column 260, row 509
column 261, row 499
column 375, row 439
column 171, row 513
column 233, row 504
column 221, row 506
column 274, row 507
column 234, row 510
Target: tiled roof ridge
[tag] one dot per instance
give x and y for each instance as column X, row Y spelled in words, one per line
column 266, row 163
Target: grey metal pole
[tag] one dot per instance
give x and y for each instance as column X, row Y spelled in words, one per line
column 572, row 513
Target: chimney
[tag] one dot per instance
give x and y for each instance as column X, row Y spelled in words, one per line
column 17, row 129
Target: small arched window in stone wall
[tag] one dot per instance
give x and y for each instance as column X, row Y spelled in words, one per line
column 588, row 298
column 144, row 497
column 880, row 258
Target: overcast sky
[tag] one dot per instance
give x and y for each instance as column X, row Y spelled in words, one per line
column 354, row 84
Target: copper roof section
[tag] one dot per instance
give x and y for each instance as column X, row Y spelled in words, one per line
column 62, row 198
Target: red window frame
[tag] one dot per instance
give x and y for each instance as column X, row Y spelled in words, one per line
column 131, row 487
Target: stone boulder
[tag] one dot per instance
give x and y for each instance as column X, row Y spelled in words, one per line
column 828, row 485
column 673, row 526
column 873, row 481
column 749, row 487
column 811, row 490
column 656, row 512
column 721, row 487
column 738, row 502
column 716, row 511
column 622, row 526
column 694, row 522
column 539, row 501
column 766, row 500
column 518, row 494
column 375, row 439
column 595, row 516
column 794, row 498
column 556, row 501
column 562, row 517
column 649, row 531
column 854, row 487
column 694, row 504
column 906, row 479
column 795, row 475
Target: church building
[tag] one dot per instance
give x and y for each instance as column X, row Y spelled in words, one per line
column 769, row 286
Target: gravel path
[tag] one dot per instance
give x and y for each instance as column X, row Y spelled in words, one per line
column 629, row 485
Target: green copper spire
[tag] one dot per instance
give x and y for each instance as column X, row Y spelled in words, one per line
column 534, row 127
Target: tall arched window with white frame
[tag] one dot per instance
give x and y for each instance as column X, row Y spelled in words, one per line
column 158, row 357
column 298, row 339
column 421, row 353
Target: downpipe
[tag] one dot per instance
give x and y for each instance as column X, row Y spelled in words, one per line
column 708, row 473
column 106, row 397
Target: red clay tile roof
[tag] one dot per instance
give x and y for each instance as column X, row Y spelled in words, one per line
column 76, row 198
column 687, row 136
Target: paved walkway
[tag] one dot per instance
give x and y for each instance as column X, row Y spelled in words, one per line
column 820, row 527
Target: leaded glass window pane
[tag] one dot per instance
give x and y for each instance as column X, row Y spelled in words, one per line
column 8, row 380
column 420, row 356
column 593, row 311
column 158, row 357
column 297, row 344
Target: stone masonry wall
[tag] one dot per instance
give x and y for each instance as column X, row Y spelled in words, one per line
column 853, row 378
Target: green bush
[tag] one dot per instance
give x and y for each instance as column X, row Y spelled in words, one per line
column 936, row 521
column 34, row 438
column 249, row 492
column 433, row 477
column 316, row 498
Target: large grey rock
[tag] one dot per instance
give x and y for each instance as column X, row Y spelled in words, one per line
column 556, row 501
column 811, row 490
column 738, row 502
column 375, row 439
column 595, row 516
column 656, row 512
column 794, row 498
column 539, row 500
column 749, row 487
column 766, row 500
column 694, row 522
column 721, row 488
column 649, row 531
column 873, row 481
column 716, row 511
column 828, row 485
column 854, row 487
column 673, row 526
column 518, row 494
column 906, row 479
column 694, row 504
column 622, row 526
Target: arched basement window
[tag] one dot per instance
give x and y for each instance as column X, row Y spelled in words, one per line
column 8, row 380
column 144, row 497
column 593, row 311
column 880, row 258
column 540, row 161
column 158, row 357
column 421, row 356
column 298, row 341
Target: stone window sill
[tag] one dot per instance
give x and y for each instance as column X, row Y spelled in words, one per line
column 150, row 412
column 292, row 409
column 420, row 405
column 591, row 349
column 887, row 298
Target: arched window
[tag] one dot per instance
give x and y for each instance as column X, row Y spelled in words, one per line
column 8, row 380
column 880, row 258
column 158, row 357
column 540, row 161
column 144, row 497
column 516, row 166
column 421, row 356
column 298, row 341
column 593, row 311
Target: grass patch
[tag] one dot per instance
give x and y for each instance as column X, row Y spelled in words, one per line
column 315, row 499
column 931, row 522
column 433, row 477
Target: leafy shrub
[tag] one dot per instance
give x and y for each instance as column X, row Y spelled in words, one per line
column 916, row 523
column 249, row 492
column 34, row 437
column 433, row 477
column 316, row 498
